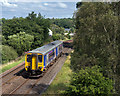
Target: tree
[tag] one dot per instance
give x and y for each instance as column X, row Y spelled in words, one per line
column 56, row 29
column 3, row 40
column 32, row 24
column 96, row 39
column 96, row 34
column 21, row 42
column 65, row 22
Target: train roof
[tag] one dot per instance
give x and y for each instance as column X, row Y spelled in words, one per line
column 46, row 48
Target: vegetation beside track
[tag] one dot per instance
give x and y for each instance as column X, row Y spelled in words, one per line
column 62, row 80
column 6, row 67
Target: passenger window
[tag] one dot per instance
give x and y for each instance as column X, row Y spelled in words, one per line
column 29, row 58
column 39, row 58
column 51, row 54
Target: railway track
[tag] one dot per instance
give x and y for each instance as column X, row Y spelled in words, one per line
column 8, row 76
column 11, row 70
column 30, row 84
column 28, row 91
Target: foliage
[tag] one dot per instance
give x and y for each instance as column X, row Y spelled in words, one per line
column 65, row 22
column 72, row 30
column 61, row 81
column 33, row 24
column 3, row 40
column 7, row 67
column 8, row 54
column 56, row 29
column 58, row 32
column 90, row 81
column 57, row 37
column 68, row 36
column 97, row 37
column 96, row 41
column 21, row 42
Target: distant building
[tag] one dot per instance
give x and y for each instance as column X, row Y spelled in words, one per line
column 65, row 33
column 71, row 34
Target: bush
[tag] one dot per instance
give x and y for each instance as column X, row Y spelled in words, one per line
column 90, row 81
column 21, row 42
column 55, row 37
column 8, row 54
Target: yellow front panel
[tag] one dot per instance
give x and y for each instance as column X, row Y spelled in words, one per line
column 34, row 63
column 27, row 63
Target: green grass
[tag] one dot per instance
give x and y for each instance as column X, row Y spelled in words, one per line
column 62, row 80
column 8, row 66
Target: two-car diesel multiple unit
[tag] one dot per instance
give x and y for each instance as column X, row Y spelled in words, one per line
column 37, row 60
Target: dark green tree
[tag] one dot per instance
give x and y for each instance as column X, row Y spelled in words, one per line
column 96, row 41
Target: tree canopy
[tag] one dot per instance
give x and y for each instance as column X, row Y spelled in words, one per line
column 97, row 39
column 21, row 42
column 33, row 24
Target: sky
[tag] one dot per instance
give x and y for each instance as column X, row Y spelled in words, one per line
column 61, row 9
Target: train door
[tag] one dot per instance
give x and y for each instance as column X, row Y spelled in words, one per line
column 34, row 63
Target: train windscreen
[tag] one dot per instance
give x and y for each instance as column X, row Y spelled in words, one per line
column 40, row 58
column 29, row 58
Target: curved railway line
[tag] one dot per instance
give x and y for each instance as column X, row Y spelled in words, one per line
column 17, row 84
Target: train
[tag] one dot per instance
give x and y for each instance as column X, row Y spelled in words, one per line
column 37, row 60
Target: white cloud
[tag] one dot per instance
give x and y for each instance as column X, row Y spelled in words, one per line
column 5, row 3
column 45, row 4
column 62, row 5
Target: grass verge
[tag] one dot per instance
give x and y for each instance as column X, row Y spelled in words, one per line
column 61, row 81
column 8, row 66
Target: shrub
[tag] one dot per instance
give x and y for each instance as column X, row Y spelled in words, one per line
column 90, row 81
column 8, row 54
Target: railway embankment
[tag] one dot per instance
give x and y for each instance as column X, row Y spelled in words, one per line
column 8, row 66
column 61, row 81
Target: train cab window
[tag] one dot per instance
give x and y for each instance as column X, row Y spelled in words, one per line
column 29, row 58
column 39, row 58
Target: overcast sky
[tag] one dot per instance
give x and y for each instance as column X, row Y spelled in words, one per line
column 47, row 9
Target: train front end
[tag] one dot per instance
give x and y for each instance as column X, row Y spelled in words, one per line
column 34, row 63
